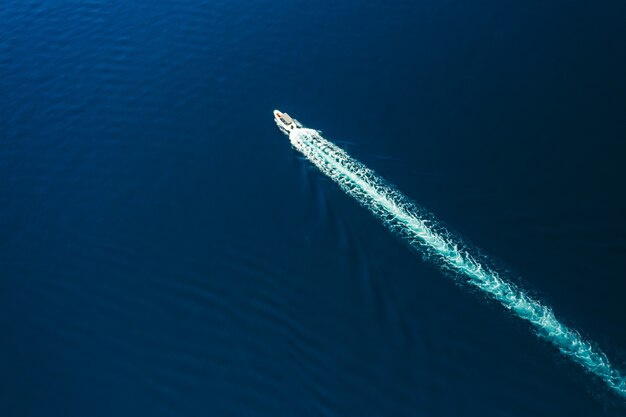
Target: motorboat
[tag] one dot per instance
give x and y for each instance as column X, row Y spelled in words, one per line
column 285, row 122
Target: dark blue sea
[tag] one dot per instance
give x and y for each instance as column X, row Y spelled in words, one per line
column 164, row 251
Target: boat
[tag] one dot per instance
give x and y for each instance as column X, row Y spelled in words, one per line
column 285, row 122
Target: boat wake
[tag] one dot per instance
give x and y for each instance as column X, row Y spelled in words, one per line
column 423, row 234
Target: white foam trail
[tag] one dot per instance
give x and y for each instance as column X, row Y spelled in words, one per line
column 404, row 218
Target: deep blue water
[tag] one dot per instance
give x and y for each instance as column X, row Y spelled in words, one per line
column 164, row 251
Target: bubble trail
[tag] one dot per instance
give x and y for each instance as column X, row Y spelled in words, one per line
column 423, row 234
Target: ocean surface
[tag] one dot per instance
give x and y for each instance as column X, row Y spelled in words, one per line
column 164, row 251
